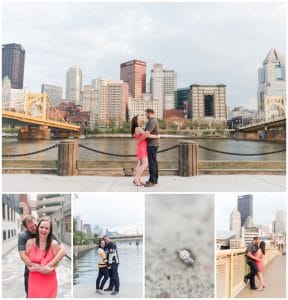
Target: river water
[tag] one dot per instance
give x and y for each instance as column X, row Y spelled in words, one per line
column 130, row 267
column 128, row 146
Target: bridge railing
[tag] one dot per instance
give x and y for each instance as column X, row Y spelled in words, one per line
column 231, row 268
column 188, row 164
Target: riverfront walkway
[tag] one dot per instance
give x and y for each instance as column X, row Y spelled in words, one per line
column 275, row 279
column 13, row 276
column 126, row 291
column 203, row 183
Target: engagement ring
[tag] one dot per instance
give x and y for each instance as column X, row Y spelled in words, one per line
column 185, row 255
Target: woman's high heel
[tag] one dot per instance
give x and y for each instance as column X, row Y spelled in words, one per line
column 137, row 184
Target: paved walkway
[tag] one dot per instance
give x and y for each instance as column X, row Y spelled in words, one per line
column 13, row 278
column 275, row 280
column 126, row 291
column 203, row 183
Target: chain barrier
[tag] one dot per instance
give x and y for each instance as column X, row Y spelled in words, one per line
column 122, row 155
column 133, row 155
column 242, row 154
column 31, row 153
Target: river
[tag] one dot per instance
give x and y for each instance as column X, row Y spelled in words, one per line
column 128, row 146
column 130, row 267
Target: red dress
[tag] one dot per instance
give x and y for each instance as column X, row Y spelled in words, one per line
column 41, row 285
column 259, row 264
column 141, row 147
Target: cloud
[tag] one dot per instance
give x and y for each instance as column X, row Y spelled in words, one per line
column 206, row 43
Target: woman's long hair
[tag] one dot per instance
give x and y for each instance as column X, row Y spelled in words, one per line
column 262, row 246
column 99, row 243
column 134, row 125
column 49, row 237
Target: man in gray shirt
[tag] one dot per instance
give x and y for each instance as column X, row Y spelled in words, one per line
column 251, row 262
column 30, row 225
column 153, row 145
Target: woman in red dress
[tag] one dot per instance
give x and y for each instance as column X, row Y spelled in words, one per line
column 41, row 250
column 260, row 264
column 142, row 154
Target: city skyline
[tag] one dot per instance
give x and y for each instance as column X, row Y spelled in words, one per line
column 229, row 54
column 116, row 212
column 265, row 206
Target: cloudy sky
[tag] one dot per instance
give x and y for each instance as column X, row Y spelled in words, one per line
column 265, row 206
column 205, row 43
column 115, row 211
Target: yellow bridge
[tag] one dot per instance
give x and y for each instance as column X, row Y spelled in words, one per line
column 21, row 117
column 36, row 114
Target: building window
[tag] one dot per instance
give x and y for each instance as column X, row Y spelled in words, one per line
column 209, row 106
column 3, row 211
column 4, row 235
column 8, row 234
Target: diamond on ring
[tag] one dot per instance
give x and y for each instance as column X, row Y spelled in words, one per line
column 185, row 255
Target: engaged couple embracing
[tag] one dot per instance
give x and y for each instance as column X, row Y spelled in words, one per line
column 41, row 251
column 147, row 147
column 108, row 267
column 255, row 260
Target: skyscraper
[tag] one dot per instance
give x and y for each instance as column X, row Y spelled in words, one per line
column 235, row 222
column 245, row 207
column 74, row 85
column 54, row 93
column 13, row 59
column 110, row 102
column 280, row 222
column 272, row 83
column 134, row 73
column 163, row 84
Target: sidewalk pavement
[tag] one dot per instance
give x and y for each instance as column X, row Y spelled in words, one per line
column 126, row 291
column 203, row 183
column 274, row 278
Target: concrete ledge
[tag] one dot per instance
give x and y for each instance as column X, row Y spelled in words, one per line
column 29, row 171
column 127, row 168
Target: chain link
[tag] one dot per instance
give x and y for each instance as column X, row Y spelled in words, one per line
column 31, row 153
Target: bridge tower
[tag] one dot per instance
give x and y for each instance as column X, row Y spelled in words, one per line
column 36, row 105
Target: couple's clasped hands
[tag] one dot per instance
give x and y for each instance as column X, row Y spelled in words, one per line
column 44, row 269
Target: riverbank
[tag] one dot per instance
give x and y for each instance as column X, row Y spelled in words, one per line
column 131, row 290
column 203, row 183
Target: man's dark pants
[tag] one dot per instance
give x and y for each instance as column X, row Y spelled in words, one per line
column 153, row 164
column 26, row 277
column 253, row 272
column 114, row 279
